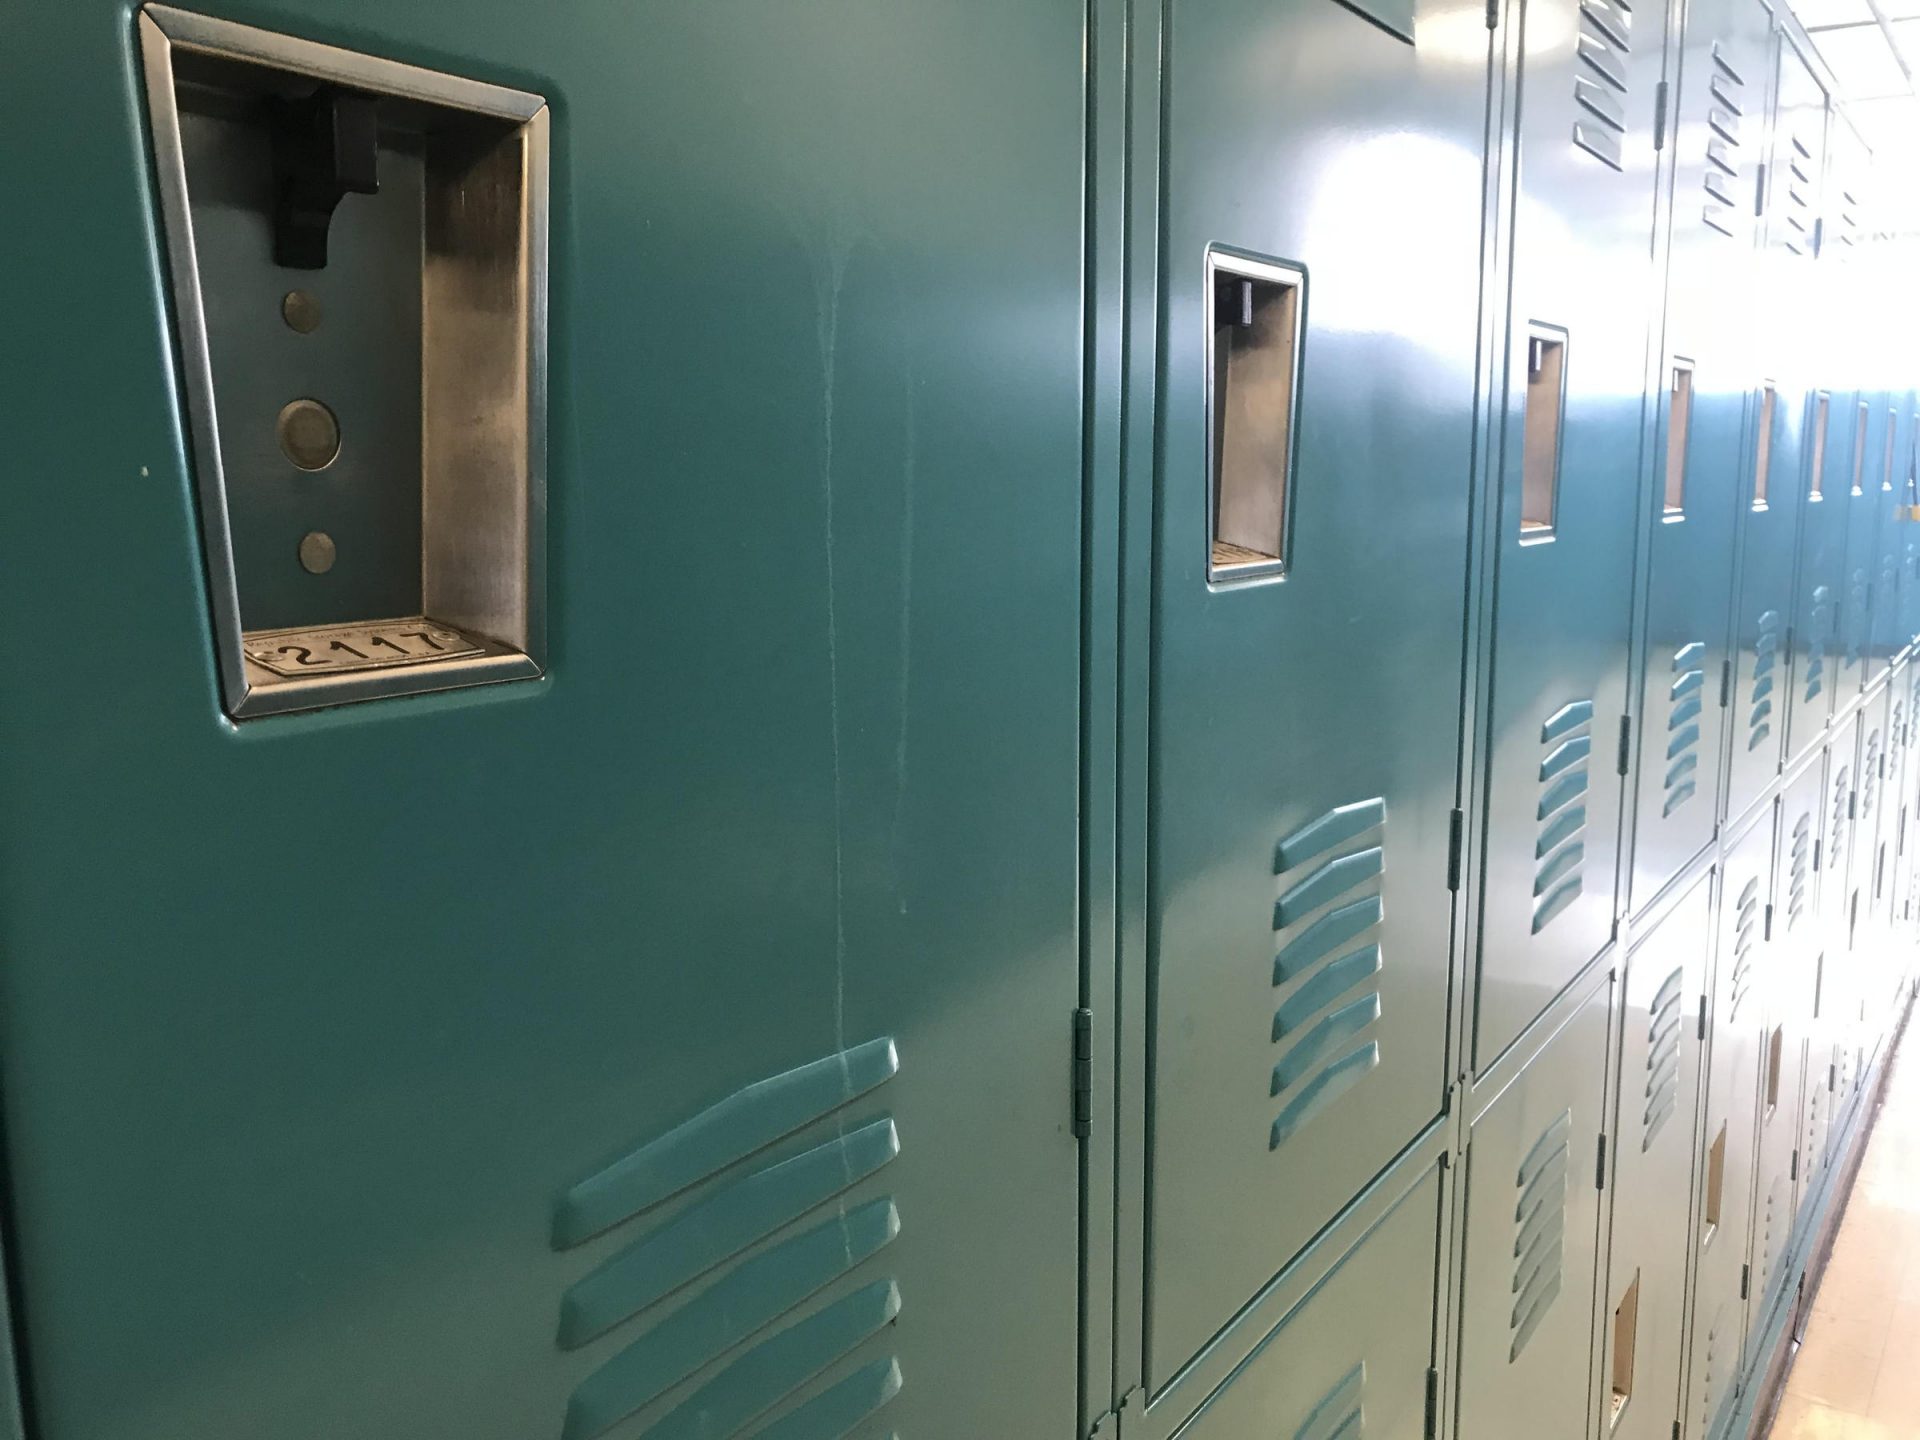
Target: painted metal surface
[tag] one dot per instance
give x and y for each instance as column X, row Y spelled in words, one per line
column 304, row 1124
column 1532, row 1219
column 1661, row 1046
column 1304, row 730
column 1581, row 220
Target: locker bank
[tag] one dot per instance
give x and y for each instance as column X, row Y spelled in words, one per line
column 944, row 719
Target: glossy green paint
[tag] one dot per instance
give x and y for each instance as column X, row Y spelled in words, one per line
column 1305, row 744
column 310, row 1024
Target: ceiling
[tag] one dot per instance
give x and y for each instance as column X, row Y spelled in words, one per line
column 1873, row 49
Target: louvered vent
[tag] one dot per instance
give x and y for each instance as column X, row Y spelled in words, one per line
column 1683, row 726
column 1799, row 867
column 1540, row 1225
column 1727, row 103
column 731, row 1331
column 1746, row 945
column 1600, row 79
column 1870, row 774
column 1819, row 617
column 1327, row 964
column 1766, row 648
column 1800, row 188
column 1713, row 1366
column 1837, row 831
column 1559, row 847
column 1663, row 1059
column 1342, row 1414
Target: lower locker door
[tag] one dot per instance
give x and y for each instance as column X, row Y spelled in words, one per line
column 1533, row 1212
column 673, row 1047
column 1645, row 1316
column 1351, row 1359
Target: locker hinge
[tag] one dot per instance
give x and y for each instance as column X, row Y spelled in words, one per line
column 1883, row 766
column 1760, row 194
column 1626, row 741
column 1660, row 116
column 1726, row 683
column 1107, row 1427
column 1793, row 1169
column 1493, row 14
column 1833, row 1077
column 1676, row 1430
column 1746, row 1277
column 1816, row 856
column 1600, row 1165
column 1456, row 842
column 1082, row 1074
column 1853, row 804
column 1766, row 923
column 1703, row 1018
column 1433, row 1402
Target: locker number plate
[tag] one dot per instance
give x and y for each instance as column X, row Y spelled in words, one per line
column 335, row 649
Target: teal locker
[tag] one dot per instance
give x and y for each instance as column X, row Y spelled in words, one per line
column 1702, row 474
column 1351, row 1358
column 1305, row 674
column 668, row 1045
column 1644, row 1319
column 1531, row 1226
column 1570, row 456
column 1725, row 1161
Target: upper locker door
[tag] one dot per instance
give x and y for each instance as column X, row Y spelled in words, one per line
column 1819, row 480
column 1866, row 454
column 1316, row 432
column 1702, row 473
column 671, row 1046
column 1775, row 494
column 1575, row 362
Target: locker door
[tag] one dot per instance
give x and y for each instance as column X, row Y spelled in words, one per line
column 1644, row 1319
column 1898, row 548
column 1906, row 527
column 1726, row 1160
column 1526, row 1325
column 1305, row 694
column 1848, row 356
column 1827, row 420
column 1570, row 464
column 673, row 1045
column 1351, row 1359
column 1702, row 471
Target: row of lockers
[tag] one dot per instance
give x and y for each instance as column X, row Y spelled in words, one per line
column 1210, row 726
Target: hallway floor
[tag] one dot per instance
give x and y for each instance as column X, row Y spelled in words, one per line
column 1857, row 1377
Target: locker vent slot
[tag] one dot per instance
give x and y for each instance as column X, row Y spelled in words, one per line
column 1683, row 726
column 1626, row 1329
column 1746, row 936
column 1253, row 384
column 1716, row 1186
column 1600, row 79
column 1766, row 650
column 1763, row 444
column 1540, row 1222
column 1837, row 833
column 1819, row 617
column 1327, row 965
column 730, row 1213
column 1679, row 423
column 1342, row 1414
column 1663, row 1059
column 1799, row 868
column 1540, row 432
column 1726, row 105
column 1559, row 845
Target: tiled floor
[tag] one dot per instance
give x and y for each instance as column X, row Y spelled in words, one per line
column 1858, row 1375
